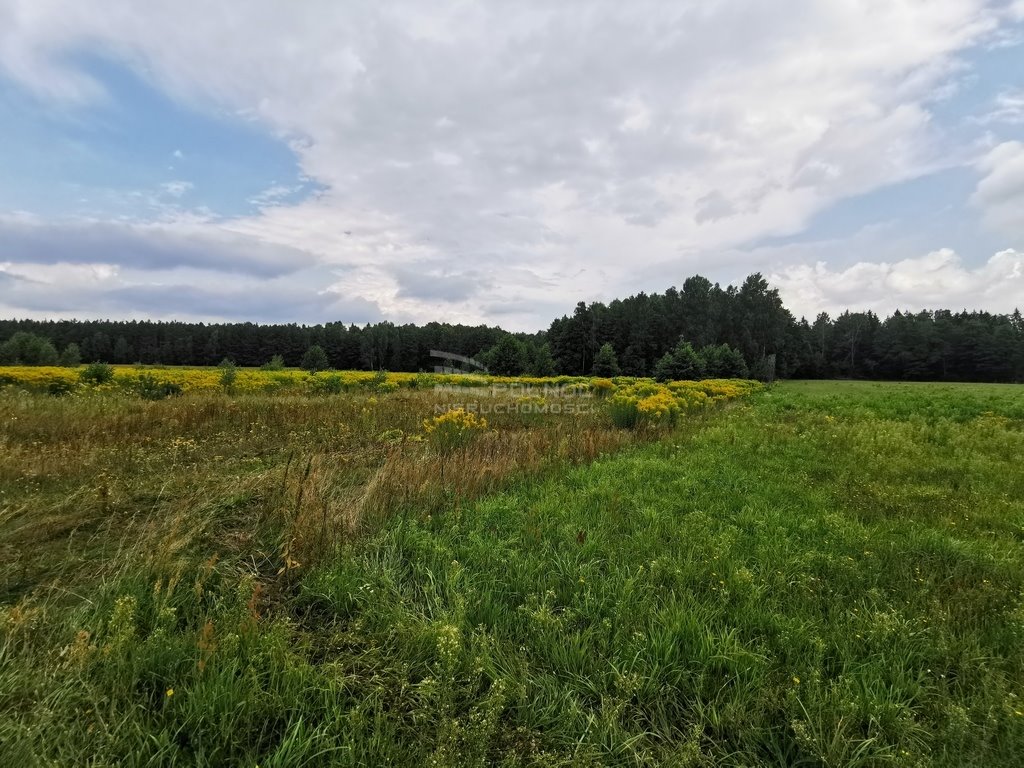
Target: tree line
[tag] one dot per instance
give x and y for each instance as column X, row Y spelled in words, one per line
column 698, row 330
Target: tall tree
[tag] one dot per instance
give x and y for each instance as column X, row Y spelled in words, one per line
column 605, row 362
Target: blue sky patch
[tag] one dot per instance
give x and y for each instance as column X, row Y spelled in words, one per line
column 134, row 150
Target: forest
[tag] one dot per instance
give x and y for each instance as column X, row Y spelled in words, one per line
column 683, row 332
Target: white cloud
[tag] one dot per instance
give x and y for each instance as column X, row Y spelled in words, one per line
column 938, row 280
column 1008, row 108
column 550, row 151
column 1000, row 192
column 176, row 188
column 274, row 195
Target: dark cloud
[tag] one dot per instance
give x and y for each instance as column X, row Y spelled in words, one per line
column 269, row 301
column 433, row 283
column 145, row 247
column 527, row 307
column 712, row 207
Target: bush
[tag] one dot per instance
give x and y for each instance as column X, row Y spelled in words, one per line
column 60, row 387
column 228, row 374
column 151, row 388
column 331, row 384
column 380, row 383
column 276, row 363
column 724, row 362
column 97, row 373
column 681, row 364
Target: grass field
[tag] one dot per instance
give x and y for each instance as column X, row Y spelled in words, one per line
column 826, row 573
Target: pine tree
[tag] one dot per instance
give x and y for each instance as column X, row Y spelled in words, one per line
column 681, row 364
column 605, row 362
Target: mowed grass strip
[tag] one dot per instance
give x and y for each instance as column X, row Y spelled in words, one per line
column 827, row 574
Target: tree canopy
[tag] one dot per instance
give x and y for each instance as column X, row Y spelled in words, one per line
column 734, row 331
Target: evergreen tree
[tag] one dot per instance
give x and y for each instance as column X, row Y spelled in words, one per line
column 681, row 364
column 723, row 362
column 605, row 363
column 123, row 352
column 750, row 319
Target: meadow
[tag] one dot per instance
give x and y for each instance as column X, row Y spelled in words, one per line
column 399, row 570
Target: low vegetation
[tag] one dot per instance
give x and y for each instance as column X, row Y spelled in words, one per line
column 818, row 574
column 269, row 379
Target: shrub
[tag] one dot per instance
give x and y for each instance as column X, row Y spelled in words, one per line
column 276, row 363
column 97, row 373
column 228, row 374
column 332, row 384
column 724, row 362
column 681, row 364
column 149, row 387
column 648, row 403
column 60, row 387
column 380, row 383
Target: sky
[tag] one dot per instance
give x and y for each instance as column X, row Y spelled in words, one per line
column 496, row 162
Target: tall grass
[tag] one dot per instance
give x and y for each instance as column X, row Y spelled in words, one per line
column 825, row 575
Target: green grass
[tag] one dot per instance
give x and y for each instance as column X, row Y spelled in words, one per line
column 825, row 574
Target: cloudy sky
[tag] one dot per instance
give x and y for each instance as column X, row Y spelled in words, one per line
column 497, row 162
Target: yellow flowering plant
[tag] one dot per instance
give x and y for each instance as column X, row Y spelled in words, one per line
column 453, row 429
column 646, row 402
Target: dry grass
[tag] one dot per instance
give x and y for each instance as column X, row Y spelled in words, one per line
column 86, row 477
